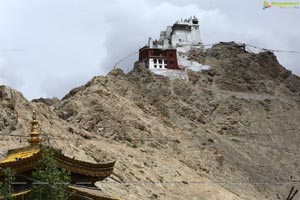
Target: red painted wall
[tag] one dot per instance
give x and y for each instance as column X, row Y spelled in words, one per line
column 169, row 55
column 171, row 59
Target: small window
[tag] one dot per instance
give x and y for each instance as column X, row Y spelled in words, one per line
column 155, row 60
column 160, row 61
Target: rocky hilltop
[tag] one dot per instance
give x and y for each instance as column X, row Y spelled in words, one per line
column 230, row 133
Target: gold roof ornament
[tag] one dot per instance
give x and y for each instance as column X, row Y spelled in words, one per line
column 34, row 139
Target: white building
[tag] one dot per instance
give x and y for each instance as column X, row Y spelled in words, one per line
column 184, row 35
column 168, row 56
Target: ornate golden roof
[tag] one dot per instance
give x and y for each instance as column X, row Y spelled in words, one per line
column 27, row 158
column 93, row 193
column 14, row 157
column 19, row 194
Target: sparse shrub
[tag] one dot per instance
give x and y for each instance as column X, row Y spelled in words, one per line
column 6, row 189
column 154, row 196
column 53, row 181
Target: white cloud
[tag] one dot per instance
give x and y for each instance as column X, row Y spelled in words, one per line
column 9, row 76
column 65, row 43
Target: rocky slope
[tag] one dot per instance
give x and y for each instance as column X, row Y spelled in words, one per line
column 231, row 132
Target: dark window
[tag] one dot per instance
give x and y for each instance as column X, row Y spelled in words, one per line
column 160, row 61
column 157, row 53
column 154, row 60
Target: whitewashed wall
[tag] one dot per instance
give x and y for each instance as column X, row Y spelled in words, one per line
column 153, row 65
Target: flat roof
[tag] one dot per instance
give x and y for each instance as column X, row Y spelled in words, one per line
column 162, row 49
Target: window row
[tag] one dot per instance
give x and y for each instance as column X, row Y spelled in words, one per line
column 159, row 66
column 158, row 60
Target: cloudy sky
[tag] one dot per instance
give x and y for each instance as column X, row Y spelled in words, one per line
column 48, row 47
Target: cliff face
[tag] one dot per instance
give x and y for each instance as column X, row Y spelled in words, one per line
column 231, row 132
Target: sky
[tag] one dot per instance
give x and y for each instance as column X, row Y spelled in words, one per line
column 48, row 47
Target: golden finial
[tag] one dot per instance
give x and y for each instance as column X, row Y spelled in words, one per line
column 34, row 135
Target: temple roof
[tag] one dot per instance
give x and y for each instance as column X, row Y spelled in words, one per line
column 27, row 158
column 19, row 194
column 93, row 193
column 15, row 157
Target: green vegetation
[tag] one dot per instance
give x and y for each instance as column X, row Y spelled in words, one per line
column 6, row 189
column 53, row 181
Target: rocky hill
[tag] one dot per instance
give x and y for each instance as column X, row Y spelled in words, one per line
column 230, row 133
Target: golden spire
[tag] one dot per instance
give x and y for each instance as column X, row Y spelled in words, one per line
column 34, row 135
